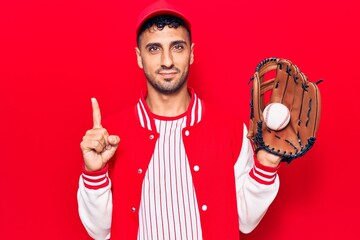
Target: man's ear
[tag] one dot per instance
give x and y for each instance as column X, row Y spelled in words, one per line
column 138, row 57
column 192, row 53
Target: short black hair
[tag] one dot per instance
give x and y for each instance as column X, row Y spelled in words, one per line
column 160, row 22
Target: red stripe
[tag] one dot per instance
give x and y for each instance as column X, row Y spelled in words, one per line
column 285, row 120
column 172, row 207
column 161, row 200
column 144, row 217
column 95, row 174
column 182, row 187
column 177, row 190
column 196, row 217
column 267, row 113
column 154, row 186
column 188, row 194
column 264, row 175
column 152, row 237
column 93, row 180
column 251, row 173
column 106, row 183
column 170, row 135
column 270, row 170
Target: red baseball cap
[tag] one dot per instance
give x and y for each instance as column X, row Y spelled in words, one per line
column 161, row 7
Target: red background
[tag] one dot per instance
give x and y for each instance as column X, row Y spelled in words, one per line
column 56, row 55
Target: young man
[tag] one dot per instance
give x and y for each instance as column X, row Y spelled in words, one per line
column 183, row 169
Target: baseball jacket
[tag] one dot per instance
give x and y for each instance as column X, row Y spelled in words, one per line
column 232, row 192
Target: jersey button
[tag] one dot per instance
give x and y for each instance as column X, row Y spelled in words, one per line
column 196, row 168
column 204, row 208
column 187, row 133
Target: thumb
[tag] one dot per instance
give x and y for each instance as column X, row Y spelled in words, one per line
column 111, row 148
column 114, row 140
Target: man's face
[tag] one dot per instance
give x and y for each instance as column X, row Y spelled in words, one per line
column 165, row 56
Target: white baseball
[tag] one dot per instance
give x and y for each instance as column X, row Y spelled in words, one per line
column 276, row 116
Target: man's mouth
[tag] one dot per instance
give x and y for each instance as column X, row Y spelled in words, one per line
column 168, row 74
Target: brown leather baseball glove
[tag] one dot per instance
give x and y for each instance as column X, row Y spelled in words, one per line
column 291, row 88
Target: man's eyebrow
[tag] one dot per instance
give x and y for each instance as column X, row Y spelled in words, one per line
column 152, row 45
column 159, row 45
column 179, row 42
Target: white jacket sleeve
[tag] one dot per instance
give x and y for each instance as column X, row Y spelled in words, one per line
column 256, row 187
column 95, row 203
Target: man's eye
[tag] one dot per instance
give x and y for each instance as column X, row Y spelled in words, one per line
column 179, row 47
column 153, row 49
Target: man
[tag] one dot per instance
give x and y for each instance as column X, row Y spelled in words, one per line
column 183, row 169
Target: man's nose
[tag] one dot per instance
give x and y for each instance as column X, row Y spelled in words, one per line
column 167, row 59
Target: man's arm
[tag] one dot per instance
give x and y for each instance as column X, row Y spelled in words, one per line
column 95, row 203
column 94, row 194
column 256, row 187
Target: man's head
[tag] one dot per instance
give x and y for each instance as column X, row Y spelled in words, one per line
column 161, row 21
column 161, row 8
column 164, row 50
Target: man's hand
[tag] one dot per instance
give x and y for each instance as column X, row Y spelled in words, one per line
column 97, row 145
column 267, row 159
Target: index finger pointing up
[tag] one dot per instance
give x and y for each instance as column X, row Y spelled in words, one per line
column 96, row 113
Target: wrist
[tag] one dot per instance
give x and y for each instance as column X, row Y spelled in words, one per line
column 94, row 168
column 267, row 163
column 263, row 174
column 95, row 179
column 100, row 171
column 267, row 159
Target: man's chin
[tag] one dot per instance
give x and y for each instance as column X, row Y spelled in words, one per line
column 170, row 90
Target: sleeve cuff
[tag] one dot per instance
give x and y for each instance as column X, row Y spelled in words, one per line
column 97, row 179
column 263, row 174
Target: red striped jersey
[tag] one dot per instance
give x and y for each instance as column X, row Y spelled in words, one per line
column 168, row 206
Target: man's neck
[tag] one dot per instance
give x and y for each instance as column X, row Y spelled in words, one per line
column 171, row 105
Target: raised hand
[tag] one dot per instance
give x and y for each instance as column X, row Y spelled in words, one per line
column 97, row 145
